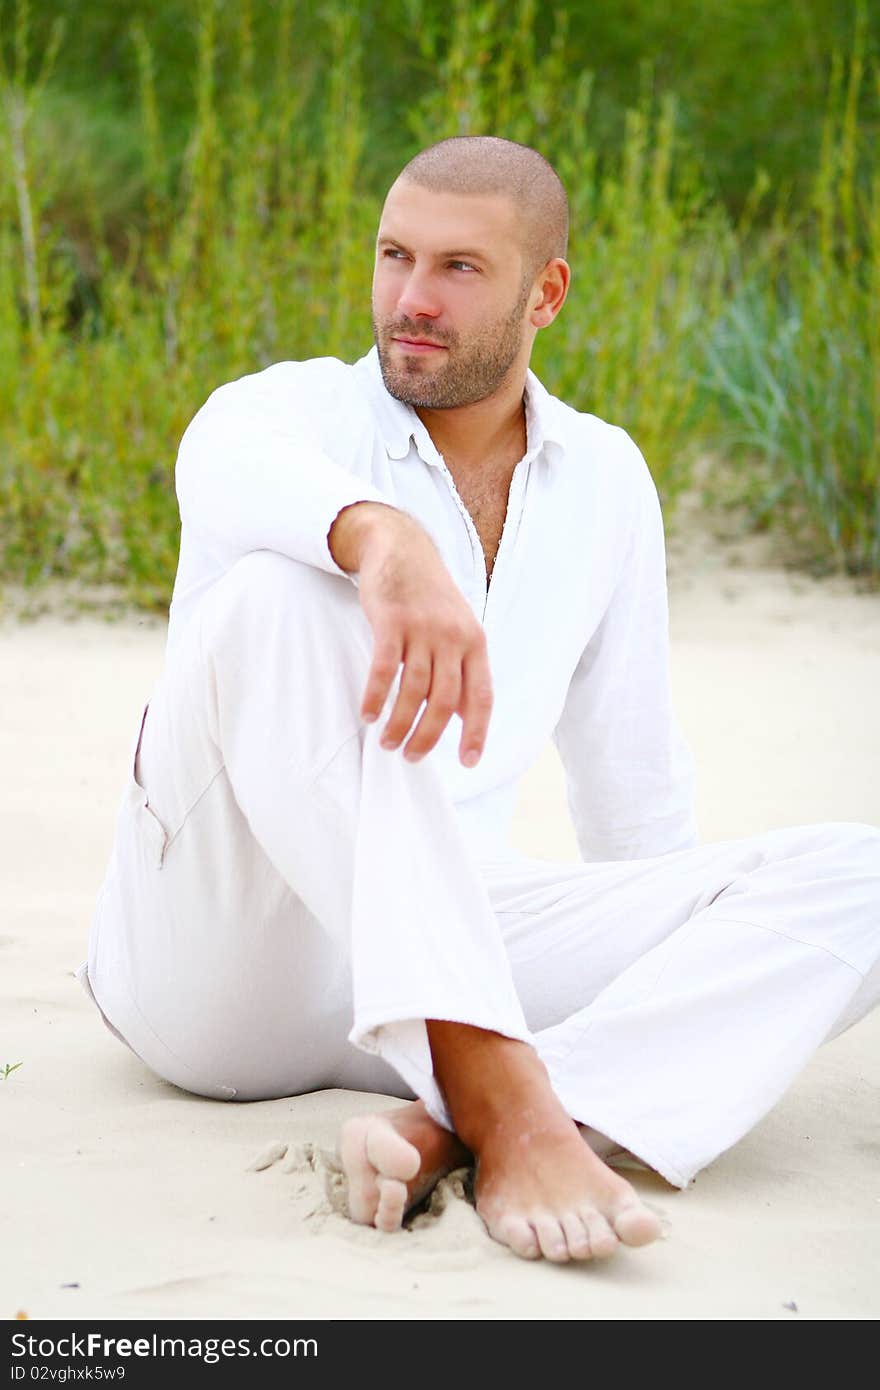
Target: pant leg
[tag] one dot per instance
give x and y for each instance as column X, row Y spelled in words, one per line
column 674, row 1000
column 276, row 872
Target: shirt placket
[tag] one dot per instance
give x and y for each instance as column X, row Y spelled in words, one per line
column 510, row 529
column 478, row 560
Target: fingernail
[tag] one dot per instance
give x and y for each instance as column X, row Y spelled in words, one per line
column 471, row 758
column 386, row 742
column 370, row 718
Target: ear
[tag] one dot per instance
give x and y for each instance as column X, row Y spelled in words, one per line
column 552, row 285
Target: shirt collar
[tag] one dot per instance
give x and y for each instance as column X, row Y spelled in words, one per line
column 400, row 426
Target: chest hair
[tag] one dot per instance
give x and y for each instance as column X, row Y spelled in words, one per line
column 486, row 500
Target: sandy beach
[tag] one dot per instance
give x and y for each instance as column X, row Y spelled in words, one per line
column 124, row 1197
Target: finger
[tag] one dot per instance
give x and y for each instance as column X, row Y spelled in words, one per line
column 387, row 656
column 414, row 686
column 476, row 704
column 443, row 700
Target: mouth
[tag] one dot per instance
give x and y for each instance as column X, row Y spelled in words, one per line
column 417, row 344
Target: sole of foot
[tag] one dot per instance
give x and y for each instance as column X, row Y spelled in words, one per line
column 379, row 1164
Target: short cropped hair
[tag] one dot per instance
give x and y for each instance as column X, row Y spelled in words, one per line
column 488, row 164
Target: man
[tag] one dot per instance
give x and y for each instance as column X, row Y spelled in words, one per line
column 397, row 579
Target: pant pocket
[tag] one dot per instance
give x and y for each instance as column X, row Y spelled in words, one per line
column 154, row 833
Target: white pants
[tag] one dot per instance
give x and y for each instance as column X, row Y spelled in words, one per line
column 287, row 902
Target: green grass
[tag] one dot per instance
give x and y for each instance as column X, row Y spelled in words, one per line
column 794, row 358
column 693, row 333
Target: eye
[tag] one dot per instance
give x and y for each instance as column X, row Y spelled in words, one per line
column 465, row 264
column 393, row 251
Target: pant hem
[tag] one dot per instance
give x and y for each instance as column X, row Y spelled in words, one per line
column 624, row 1134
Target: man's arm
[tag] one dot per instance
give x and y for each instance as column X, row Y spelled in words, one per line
column 254, row 471
column 629, row 773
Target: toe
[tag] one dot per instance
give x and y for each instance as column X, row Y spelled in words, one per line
column 635, row 1225
column 577, row 1236
column 603, row 1241
column 518, row 1233
column 551, row 1238
column 390, row 1154
column 391, row 1206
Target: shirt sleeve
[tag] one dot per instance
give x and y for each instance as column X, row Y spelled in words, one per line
column 254, row 471
column 629, row 773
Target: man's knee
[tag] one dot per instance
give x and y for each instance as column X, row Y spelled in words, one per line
column 266, row 577
column 861, row 844
column 852, row 837
column 830, row 837
column 843, row 852
column 265, row 592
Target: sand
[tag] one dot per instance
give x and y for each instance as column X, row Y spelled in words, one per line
column 126, row 1198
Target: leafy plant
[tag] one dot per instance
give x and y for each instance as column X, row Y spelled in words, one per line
column 253, row 242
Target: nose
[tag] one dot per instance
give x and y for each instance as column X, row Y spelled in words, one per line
column 418, row 297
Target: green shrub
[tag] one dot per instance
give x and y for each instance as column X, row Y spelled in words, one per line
column 794, row 361
column 257, row 245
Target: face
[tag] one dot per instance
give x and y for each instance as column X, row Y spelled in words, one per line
column 449, row 272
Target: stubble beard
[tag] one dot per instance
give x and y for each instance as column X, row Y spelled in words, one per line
column 470, row 373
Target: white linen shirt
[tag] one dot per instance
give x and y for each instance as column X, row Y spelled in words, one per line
column 575, row 615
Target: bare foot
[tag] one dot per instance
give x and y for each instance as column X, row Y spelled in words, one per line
column 393, row 1160
column 541, row 1190
column 539, row 1187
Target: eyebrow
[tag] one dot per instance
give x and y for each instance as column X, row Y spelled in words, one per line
column 472, row 255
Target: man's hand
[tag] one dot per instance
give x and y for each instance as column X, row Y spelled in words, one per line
column 419, row 617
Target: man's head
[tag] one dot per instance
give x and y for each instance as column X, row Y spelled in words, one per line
column 470, row 256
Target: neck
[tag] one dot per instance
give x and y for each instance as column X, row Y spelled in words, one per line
column 470, row 435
